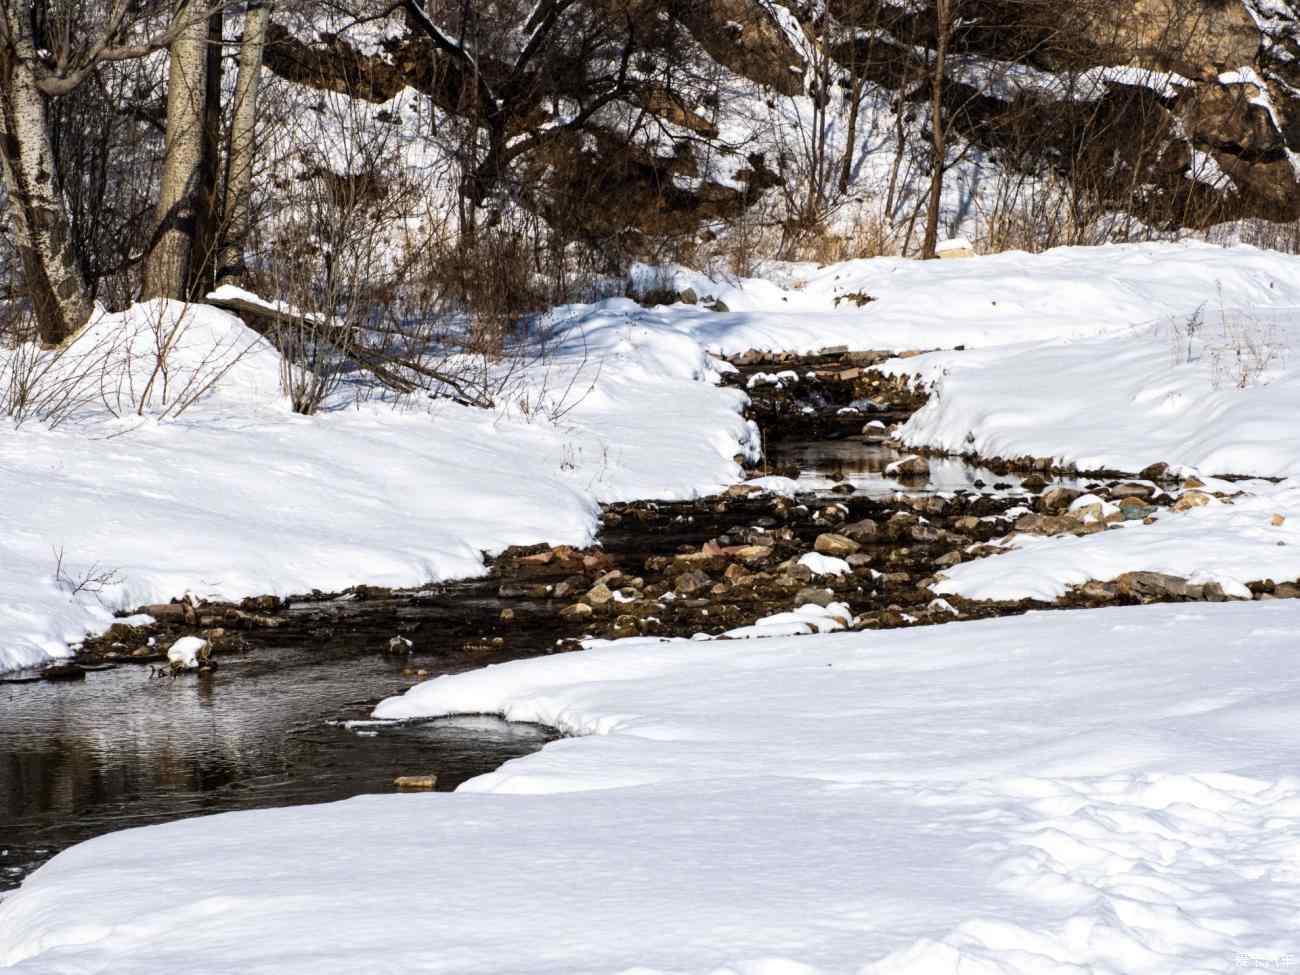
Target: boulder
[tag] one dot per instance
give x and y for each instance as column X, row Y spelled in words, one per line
column 835, row 545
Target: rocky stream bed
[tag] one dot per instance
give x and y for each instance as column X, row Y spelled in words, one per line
column 837, row 516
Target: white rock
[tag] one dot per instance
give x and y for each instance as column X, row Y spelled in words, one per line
column 186, row 651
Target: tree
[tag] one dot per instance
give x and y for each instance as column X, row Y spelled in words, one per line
column 172, row 251
column 945, row 20
column 241, row 148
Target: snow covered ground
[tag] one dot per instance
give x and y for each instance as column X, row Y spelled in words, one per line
column 237, row 495
column 1251, row 537
column 1108, row 791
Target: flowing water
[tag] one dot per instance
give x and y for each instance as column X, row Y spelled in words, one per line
column 124, row 748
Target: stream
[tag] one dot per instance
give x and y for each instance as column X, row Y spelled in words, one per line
column 125, row 748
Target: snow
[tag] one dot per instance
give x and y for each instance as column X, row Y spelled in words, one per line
column 228, row 493
column 1106, row 791
column 1217, row 400
column 1231, row 544
column 185, row 651
column 1001, row 299
column 236, row 495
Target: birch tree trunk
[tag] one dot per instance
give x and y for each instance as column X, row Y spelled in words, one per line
column 944, row 20
column 242, row 149
column 167, row 268
column 54, row 282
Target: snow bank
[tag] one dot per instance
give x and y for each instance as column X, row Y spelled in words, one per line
column 1107, row 791
column 1231, row 544
column 236, row 495
column 1220, row 401
column 1068, row 292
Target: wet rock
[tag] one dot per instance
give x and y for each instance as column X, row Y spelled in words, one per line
column 913, row 466
column 843, row 489
column 60, row 672
column 836, row 545
column 577, row 611
column 416, row 783
column 875, row 432
column 1034, row 482
column 399, row 645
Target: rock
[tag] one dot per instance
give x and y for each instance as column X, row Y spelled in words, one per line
column 507, row 615
column 843, row 489
column 1059, row 498
column 416, row 783
column 693, row 581
column 1155, row 472
column 1131, row 489
column 399, row 644
column 818, row 597
column 1277, row 521
column 719, row 306
column 1212, row 592
column 1287, row 590
column 1193, row 482
column 1099, row 592
column 967, row 523
column 875, row 432
column 188, row 653
column 1156, row 585
column 836, row 545
column 913, row 466
column 577, row 611
column 860, row 531
column 1192, row 499
column 63, row 672
column 741, row 491
column 1034, row 482
column 949, row 560
column 1045, row 524
column 687, row 296
column 598, row 595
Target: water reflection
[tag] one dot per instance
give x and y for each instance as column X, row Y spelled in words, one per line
column 122, row 749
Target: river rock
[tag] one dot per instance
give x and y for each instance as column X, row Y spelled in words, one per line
column 577, row 611
column 837, row 545
column 1059, row 498
column 1155, row 472
column 818, row 597
column 1034, row 524
column 913, row 466
column 598, row 595
column 1131, row 489
column 690, row 582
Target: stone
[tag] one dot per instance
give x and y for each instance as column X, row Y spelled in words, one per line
column 967, row 523
column 751, row 554
column 1154, row 585
column 687, row 296
column 836, row 545
column 1059, row 498
column 1045, row 524
column 818, row 597
column 598, row 595
column 949, row 560
column 693, row 581
column 860, row 531
column 416, row 783
column 1277, row 521
column 875, row 432
column 1130, row 489
column 507, row 615
column 1034, row 482
column 1193, row 482
column 1192, row 499
column 843, row 489
column 63, row 672
column 1155, row 472
column 913, row 466
column 578, row 611
column 399, row 645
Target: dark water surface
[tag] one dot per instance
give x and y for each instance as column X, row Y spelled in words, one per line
column 122, row 749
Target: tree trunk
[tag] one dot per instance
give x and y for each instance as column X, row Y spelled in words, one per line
column 203, row 261
column 172, row 249
column 944, row 22
column 54, row 282
column 237, row 212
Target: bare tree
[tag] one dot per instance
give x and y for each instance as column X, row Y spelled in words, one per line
column 172, row 249
column 241, row 147
column 945, row 19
